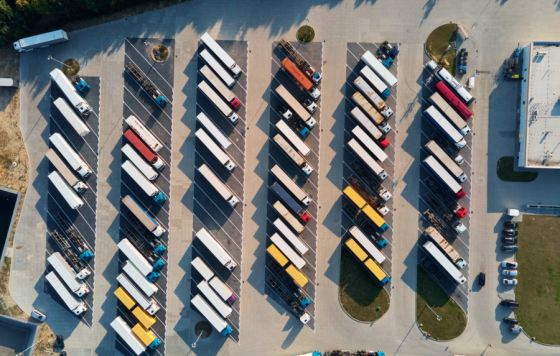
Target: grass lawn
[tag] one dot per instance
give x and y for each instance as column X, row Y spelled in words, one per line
column 359, row 294
column 538, row 291
column 438, row 41
column 507, row 174
column 453, row 321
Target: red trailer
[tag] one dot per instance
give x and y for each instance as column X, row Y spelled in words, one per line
column 144, row 150
column 457, row 104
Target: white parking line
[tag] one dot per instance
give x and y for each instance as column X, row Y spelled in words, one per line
column 145, row 207
column 76, row 230
column 356, row 157
column 445, row 222
column 225, row 118
column 209, row 166
column 242, row 152
column 227, row 218
column 76, row 211
column 206, row 211
column 220, row 178
column 141, row 234
column 310, row 130
column 302, row 290
column 423, row 148
column 288, row 307
column 149, row 112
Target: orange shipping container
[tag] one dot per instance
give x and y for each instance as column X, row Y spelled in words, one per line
column 297, row 74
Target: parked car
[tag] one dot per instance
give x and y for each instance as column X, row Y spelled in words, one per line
column 38, row 315
column 454, row 154
column 510, row 282
column 509, row 272
column 511, row 321
column 516, row 329
column 510, row 232
column 481, row 279
column 507, row 248
column 508, row 264
column 509, row 303
column 509, row 240
column 510, row 225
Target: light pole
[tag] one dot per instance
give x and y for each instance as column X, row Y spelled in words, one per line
column 438, row 317
column 21, row 353
column 56, row 60
column 194, row 345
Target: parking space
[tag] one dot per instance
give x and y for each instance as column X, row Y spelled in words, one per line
column 356, row 173
column 139, row 102
column 211, row 211
column 437, row 205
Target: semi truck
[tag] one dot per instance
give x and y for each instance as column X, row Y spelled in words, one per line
column 302, row 81
column 142, row 131
column 70, row 116
column 65, row 172
column 77, row 241
column 369, row 126
column 372, row 199
column 287, row 198
column 148, row 187
column 445, row 76
column 445, row 126
column 288, row 298
column 146, row 152
column 285, row 213
column 369, row 143
column 216, row 248
column 139, row 162
column 450, row 113
column 75, row 305
column 367, row 244
column 220, row 187
column 369, row 93
column 77, row 263
column 377, row 118
column 447, row 200
column 293, row 154
column 293, row 238
column 220, row 87
column 370, row 180
column 138, row 260
column 364, row 207
column 291, row 136
column 68, row 275
column 453, row 100
column 138, row 278
column 148, row 304
column 372, row 267
column 146, row 84
column 73, row 200
column 71, row 92
column 287, row 281
column 224, row 108
column 210, row 314
column 209, row 125
column 369, row 59
column 220, row 155
column 146, row 336
column 298, row 109
column 433, row 148
column 367, row 159
column 221, row 54
column 377, row 83
column 223, row 290
column 444, row 263
column 217, row 67
column 436, row 237
column 291, row 185
column 302, row 64
column 289, row 252
column 73, row 159
column 125, row 332
column 141, row 214
column 294, row 273
column 39, row 41
column 437, row 169
column 443, row 212
column 217, row 302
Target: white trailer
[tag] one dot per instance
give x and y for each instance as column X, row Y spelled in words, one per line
column 210, row 314
column 217, row 250
column 444, row 75
column 291, row 185
column 222, row 308
column 377, row 118
column 367, row 244
column 220, row 53
column 71, row 92
column 222, row 139
column 75, row 161
column 446, row 161
column 224, row 108
column 220, row 186
column 366, row 123
column 66, row 191
column 124, row 331
column 377, row 83
column 68, row 274
column 222, row 290
column 148, row 304
column 202, row 268
column 222, row 157
column 436, row 168
column 296, row 106
column 293, row 154
column 220, row 87
column 369, row 143
column 449, row 112
column 65, row 172
column 137, row 277
column 289, row 252
column 70, row 115
column 289, row 217
column 436, row 237
column 445, row 126
column 143, row 132
column 141, row 214
column 135, row 257
column 139, row 162
column 375, row 99
column 217, row 67
column 148, row 187
column 293, row 138
column 293, row 238
column 445, row 263
column 383, row 73
column 75, row 305
column 39, row 41
column 368, row 160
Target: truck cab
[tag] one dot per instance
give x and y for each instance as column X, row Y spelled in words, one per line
column 310, row 106
column 286, row 113
column 81, row 85
column 316, row 78
column 315, row 93
column 385, row 127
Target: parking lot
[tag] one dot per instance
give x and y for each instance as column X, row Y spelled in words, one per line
column 69, row 226
column 157, row 119
column 355, row 172
column 210, row 210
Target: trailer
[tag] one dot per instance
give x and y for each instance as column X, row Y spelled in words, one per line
column 220, row 87
column 222, row 139
column 144, row 150
column 300, row 79
column 68, row 275
column 367, row 244
column 151, row 251
column 370, row 127
column 293, row 154
column 224, row 108
column 65, row 172
column 298, row 109
column 70, row 116
column 220, row 155
column 369, row 59
column 138, row 278
column 287, row 298
column 436, row 237
column 370, row 264
column 298, row 59
column 146, row 336
column 142, row 215
column 364, row 207
column 125, row 298
column 444, row 75
column 71, row 92
column 446, row 161
column 77, row 241
column 210, row 314
column 447, row 200
column 223, row 290
column 367, row 159
column 142, row 131
column 445, row 126
column 71, row 156
column 291, row 185
column 361, row 220
column 289, row 252
column 293, row 238
column 220, row 53
column 220, row 186
column 75, row 305
column 217, row 67
column 369, row 93
column 437, row 255
column 139, row 162
column 290, row 135
column 218, row 304
column 369, row 143
column 148, row 187
column 452, row 99
column 373, row 114
column 138, row 260
column 287, row 281
column 287, row 198
column 443, row 211
column 285, row 213
column 446, row 178
column 202, row 268
column 216, row 249
column 450, row 113
column 148, row 304
column 131, row 340
column 377, row 83
column 39, row 41
column 146, row 84
column 73, row 200
column 77, row 263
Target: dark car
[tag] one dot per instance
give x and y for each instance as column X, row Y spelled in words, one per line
column 511, row 321
column 481, row 279
column 510, row 225
column 509, row 240
column 509, row 303
column 510, row 248
column 510, row 232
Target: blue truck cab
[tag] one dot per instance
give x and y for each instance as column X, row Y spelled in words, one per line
column 153, row 276
column 159, row 249
column 305, row 302
column 384, row 227
column 388, row 62
column 160, row 198
column 312, row 353
column 385, row 94
column 86, row 255
column 82, row 86
column 228, row 330
column 161, row 101
column 316, row 77
column 386, row 280
column 159, row 264
column 393, row 52
column 154, row 345
column 382, row 242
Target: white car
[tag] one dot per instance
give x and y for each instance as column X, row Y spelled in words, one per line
column 38, row 315
column 509, row 272
column 516, row 329
column 508, row 264
column 510, row 282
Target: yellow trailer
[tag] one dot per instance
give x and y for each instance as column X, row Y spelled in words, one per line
column 125, row 298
